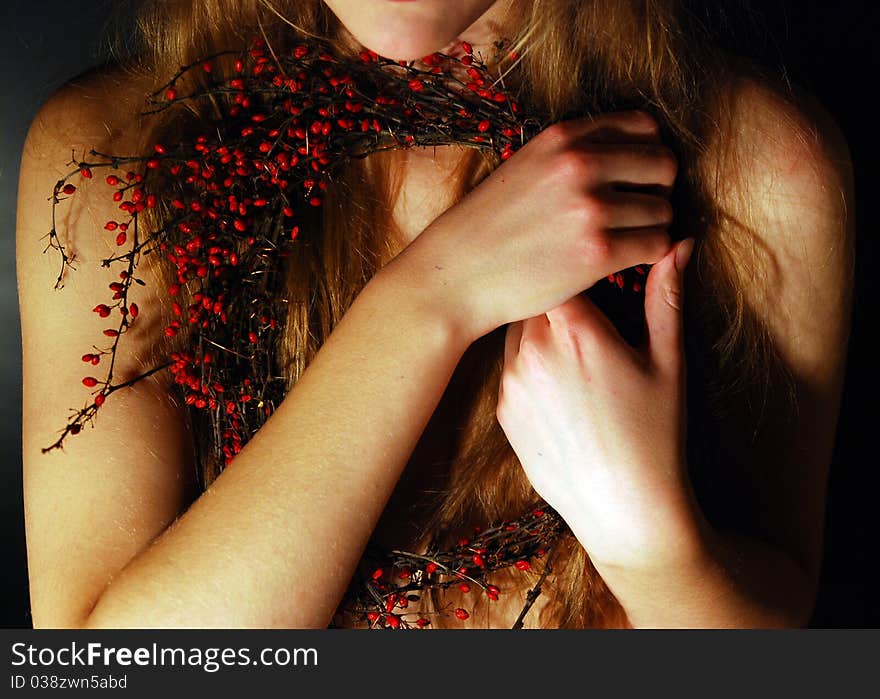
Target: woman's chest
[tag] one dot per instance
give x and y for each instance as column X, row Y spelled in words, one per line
column 422, row 182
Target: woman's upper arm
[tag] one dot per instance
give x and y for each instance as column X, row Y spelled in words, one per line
column 93, row 505
column 797, row 176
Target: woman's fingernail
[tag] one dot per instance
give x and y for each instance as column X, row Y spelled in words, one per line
column 683, row 253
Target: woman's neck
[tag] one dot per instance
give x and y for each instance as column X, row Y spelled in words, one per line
column 486, row 31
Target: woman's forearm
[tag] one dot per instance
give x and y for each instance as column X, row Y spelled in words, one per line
column 732, row 581
column 275, row 539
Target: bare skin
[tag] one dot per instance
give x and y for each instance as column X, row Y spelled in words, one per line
column 120, row 541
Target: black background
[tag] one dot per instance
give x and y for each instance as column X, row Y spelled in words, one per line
column 826, row 47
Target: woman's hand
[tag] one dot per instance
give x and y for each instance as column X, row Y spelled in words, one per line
column 581, row 200
column 599, row 426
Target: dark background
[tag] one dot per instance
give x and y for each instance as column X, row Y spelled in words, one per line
column 825, row 47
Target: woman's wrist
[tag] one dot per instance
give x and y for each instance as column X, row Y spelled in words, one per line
column 425, row 293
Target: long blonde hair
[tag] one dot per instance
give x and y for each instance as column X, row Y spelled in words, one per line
column 576, row 57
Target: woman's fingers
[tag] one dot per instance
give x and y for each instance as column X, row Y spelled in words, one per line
column 664, row 291
column 579, row 315
column 633, row 164
column 611, row 126
column 637, row 246
column 637, row 210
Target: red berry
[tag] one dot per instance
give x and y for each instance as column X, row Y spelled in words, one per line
column 484, row 126
column 378, row 573
column 171, row 94
column 430, row 568
column 416, row 85
column 69, row 189
column 90, row 381
column 85, row 172
column 461, row 613
column 393, row 621
column 99, row 400
column 523, row 565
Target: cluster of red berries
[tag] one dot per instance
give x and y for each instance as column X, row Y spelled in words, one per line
column 388, row 595
column 229, row 202
column 231, row 197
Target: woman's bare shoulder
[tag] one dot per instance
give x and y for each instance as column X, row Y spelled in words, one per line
column 783, row 140
column 784, row 172
column 96, row 109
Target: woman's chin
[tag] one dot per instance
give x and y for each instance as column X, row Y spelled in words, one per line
column 403, row 46
column 412, row 30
